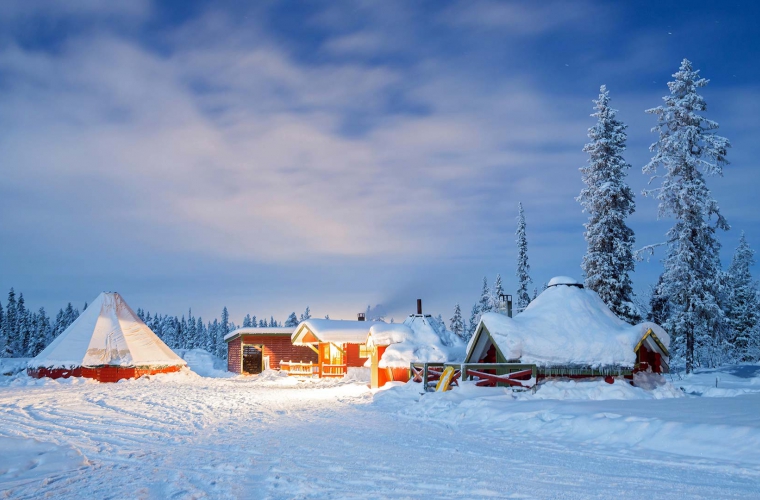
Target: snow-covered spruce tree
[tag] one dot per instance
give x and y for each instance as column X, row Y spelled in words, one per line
column 742, row 304
column 473, row 323
column 225, row 327
column 523, row 268
column 658, row 304
column 306, row 314
column 2, row 331
column 247, row 321
column 9, row 326
column 191, row 335
column 686, row 149
column 40, row 333
column 292, row 320
column 200, row 333
column 484, row 304
column 608, row 201
column 456, row 324
column 498, row 291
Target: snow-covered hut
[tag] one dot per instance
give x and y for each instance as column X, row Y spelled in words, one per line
column 569, row 331
column 339, row 344
column 254, row 349
column 107, row 342
column 393, row 347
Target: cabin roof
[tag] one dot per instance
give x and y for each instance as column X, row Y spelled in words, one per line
column 333, row 330
column 257, row 330
column 565, row 325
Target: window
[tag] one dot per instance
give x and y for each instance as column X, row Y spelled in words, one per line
column 364, row 351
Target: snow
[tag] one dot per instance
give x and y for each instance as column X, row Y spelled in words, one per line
column 336, row 330
column 567, row 325
column 562, row 280
column 12, row 366
column 108, row 332
column 388, row 333
column 24, row 461
column 205, row 364
column 415, row 340
column 181, row 435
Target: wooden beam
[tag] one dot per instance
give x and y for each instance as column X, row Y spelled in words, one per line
column 339, row 348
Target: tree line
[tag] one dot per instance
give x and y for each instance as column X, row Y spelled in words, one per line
column 24, row 333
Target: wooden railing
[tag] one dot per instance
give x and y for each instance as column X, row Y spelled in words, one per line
column 333, row 370
column 300, row 369
column 497, row 369
column 488, row 374
column 427, row 374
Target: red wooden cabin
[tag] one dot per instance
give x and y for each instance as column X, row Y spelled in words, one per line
column 339, row 344
column 252, row 350
column 568, row 331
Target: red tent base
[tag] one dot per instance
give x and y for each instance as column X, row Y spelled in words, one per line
column 101, row 373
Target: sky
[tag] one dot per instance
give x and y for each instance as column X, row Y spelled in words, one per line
column 269, row 156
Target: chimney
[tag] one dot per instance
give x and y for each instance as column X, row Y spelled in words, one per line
column 419, row 306
column 361, row 317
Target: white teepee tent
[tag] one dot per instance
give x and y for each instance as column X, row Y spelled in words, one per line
column 107, row 342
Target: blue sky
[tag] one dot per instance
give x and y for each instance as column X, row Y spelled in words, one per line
column 337, row 154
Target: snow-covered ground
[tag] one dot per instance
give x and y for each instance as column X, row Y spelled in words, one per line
column 185, row 436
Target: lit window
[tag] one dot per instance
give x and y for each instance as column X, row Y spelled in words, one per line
column 364, row 351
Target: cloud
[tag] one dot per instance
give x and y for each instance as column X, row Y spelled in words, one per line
column 18, row 9
column 515, row 18
column 233, row 142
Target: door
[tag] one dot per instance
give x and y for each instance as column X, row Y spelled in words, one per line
column 252, row 359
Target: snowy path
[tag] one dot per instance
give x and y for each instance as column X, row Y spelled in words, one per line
column 234, row 438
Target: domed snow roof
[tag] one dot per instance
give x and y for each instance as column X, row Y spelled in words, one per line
column 107, row 333
column 566, row 325
column 563, row 280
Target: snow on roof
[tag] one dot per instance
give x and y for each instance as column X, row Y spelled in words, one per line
column 562, row 280
column 565, row 325
column 388, row 333
column 416, row 340
column 108, row 332
column 334, row 330
column 258, row 330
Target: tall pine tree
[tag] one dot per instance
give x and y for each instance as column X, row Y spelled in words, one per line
column 687, row 148
column 523, row 268
column 608, row 200
column 742, row 304
column 10, row 326
column 456, row 324
column 473, row 324
column 498, row 291
column 485, row 303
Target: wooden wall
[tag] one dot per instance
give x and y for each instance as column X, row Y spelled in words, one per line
column 277, row 347
column 352, row 355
